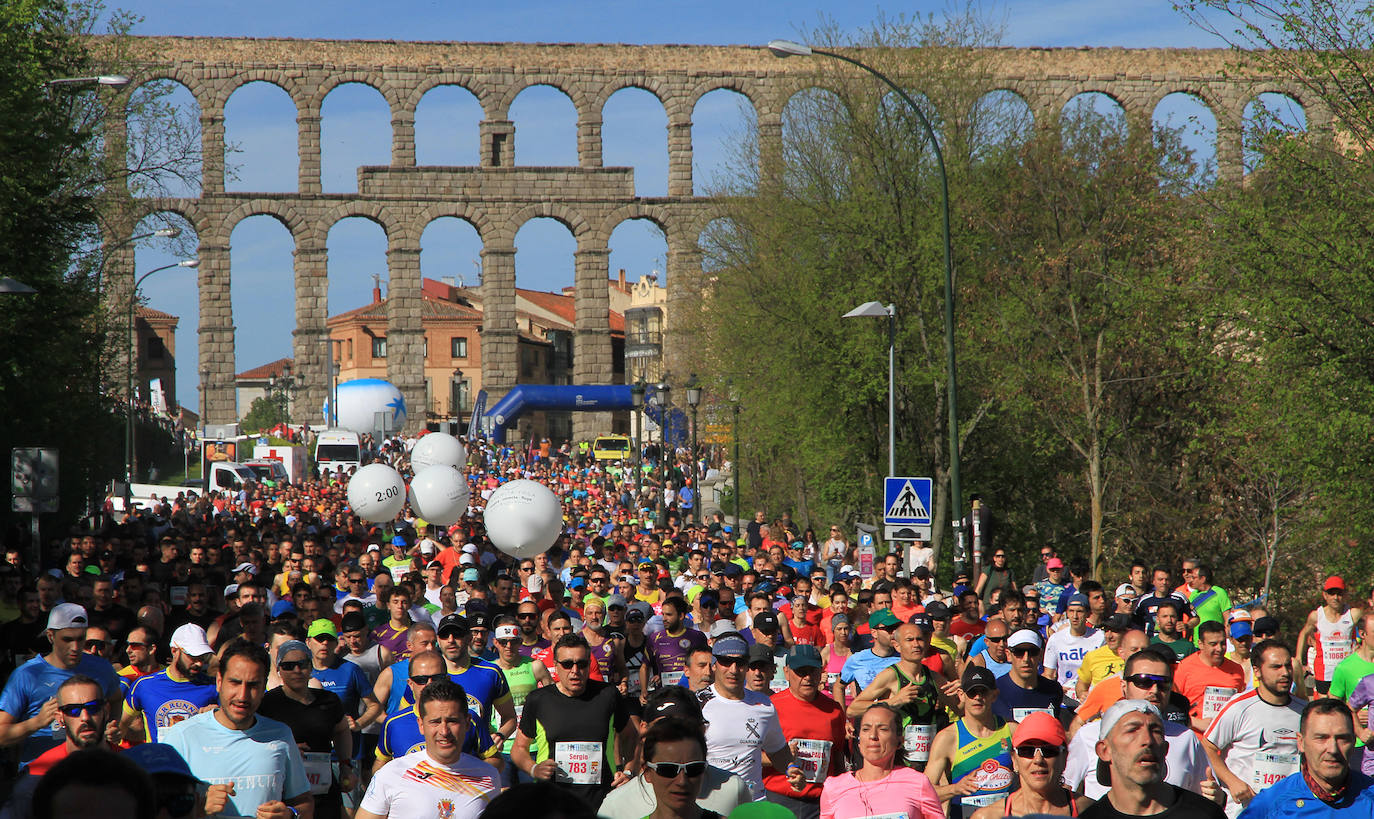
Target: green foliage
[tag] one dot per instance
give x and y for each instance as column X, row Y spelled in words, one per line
column 265, row 413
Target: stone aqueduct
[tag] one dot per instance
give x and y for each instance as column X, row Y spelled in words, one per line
column 497, row 197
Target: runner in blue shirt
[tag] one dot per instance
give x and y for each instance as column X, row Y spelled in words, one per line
column 484, row 683
column 338, row 676
column 28, row 705
column 863, row 667
column 232, row 747
column 176, row 693
column 1326, row 786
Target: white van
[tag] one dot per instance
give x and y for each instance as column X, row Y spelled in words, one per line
column 337, row 449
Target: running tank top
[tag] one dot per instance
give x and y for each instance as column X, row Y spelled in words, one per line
column 1073, row 804
column 634, row 658
column 1331, row 643
column 921, row 719
column 997, row 669
column 400, row 674
column 602, row 655
column 370, row 661
column 833, row 666
column 521, row 682
column 987, row 758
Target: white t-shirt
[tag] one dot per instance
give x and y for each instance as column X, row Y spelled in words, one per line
column 415, row 785
column 1258, row 741
column 1186, row 760
column 1064, row 653
column 739, row 733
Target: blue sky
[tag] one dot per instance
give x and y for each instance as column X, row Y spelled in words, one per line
column 356, row 128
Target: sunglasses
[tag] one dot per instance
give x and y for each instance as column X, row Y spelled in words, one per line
column 1045, row 751
column 425, row 679
column 136, row 645
column 291, row 665
column 988, row 639
column 508, row 641
column 728, row 661
column 672, row 770
column 1149, row 681
column 1024, row 651
column 355, row 580
column 527, row 615
column 77, row 708
column 93, row 645
column 571, row 664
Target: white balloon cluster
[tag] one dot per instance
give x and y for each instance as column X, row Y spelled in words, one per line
column 439, row 490
column 523, row 518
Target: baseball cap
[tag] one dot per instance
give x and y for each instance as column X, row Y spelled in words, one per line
column 1025, row 637
column 761, row 654
column 1265, row 625
column 246, row 567
column 282, row 607
column 190, row 638
column 160, row 759
column 1077, row 600
column 67, row 615
column 231, row 590
column 937, row 610
column 470, row 575
column 672, row 708
column 374, row 547
column 1237, row 615
column 399, row 540
column 761, row 810
column 470, row 548
column 1039, row 727
column 638, row 612
column 804, row 656
column 1119, row 709
column 1126, row 591
column 353, row 621
column 1118, row 622
column 577, row 583
column 1241, row 628
column 1054, row 563
column 976, row 676
column 883, row 618
column 1334, row 582
column 922, row 622
column 479, row 618
column 722, row 627
column 733, row 570
column 322, row 628
column 466, row 559
column 615, row 601
column 766, row 621
column 427, row 547
column 451, row 622
column 730, row 645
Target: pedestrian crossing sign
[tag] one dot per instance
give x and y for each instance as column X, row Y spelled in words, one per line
column 906, row 501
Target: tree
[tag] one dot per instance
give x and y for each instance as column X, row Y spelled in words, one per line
column 265, row 413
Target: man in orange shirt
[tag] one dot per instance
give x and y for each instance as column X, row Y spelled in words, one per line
column 904, row 600
column 1207, row 678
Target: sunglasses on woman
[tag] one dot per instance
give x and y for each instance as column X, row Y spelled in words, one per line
column 1046, row 751
column 291, row 665
column 671, row 770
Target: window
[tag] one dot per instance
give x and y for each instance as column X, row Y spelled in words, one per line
column 156, row 349
column 379, row 347
column 459, row 347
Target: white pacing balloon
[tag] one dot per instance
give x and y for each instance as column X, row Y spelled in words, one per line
column 376, row 493
column 437, row 448
column 439, row 494
column 523, row 518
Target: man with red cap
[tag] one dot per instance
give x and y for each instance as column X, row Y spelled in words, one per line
column 1328, row 636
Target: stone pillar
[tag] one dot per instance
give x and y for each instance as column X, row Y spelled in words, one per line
column 680, row 354
column 405, row 334
column 770, row 147
column 498, row 143
column 589, row 153
column 1230, row 150
column 116, row 278
column 403, row 138
column 680, row 157
column 592, row 332
column 311, row 349
column 308, row 151
column 500, row 333
column 212, row 149
column 216, row 333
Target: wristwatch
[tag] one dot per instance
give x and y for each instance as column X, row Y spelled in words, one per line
column 295, row 814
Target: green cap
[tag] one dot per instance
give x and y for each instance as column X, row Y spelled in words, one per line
column 761, row 810
column 92, row 570
column 322, row 628
column 883, row 617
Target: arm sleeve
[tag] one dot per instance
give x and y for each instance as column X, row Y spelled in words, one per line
column 1360, row 697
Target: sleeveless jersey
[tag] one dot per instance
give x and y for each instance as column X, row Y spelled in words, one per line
column 921, row 718
column 997, row 669
column 603, row 655
column 521, row 682
column 1331, row 643
column 987, row 758
column 400, row 674
column 634, row 658
column 833, row 666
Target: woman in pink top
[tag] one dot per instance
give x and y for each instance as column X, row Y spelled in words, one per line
column 834, row 653
column 884, row 786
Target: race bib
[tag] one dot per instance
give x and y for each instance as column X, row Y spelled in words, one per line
column 1333, row 651
column 318, row 771
column 830, row 679
column 1270, row 767
column 813, row 755
column 1019, row 714
column 1214, row 698
column 579, row 763
column 968, row 805
column 671, row 677
column 916, row 741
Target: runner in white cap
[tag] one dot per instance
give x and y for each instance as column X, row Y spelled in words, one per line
column 179, row 691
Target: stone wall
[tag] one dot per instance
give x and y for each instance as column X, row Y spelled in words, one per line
column 591, row 200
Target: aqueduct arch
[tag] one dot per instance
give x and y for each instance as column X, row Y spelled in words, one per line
column 497, row 197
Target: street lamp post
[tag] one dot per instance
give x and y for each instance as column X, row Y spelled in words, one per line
column 129, row 383
column 872, row 309
column 734, row 405
column 787, row 48
column 637, row 399
column 693, row 401
column 664, row 407
column 284, row 387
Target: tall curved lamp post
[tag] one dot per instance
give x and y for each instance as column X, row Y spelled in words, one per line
column 637, row 398
column 693, row 401
column 129, row 383
column 787, row 48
